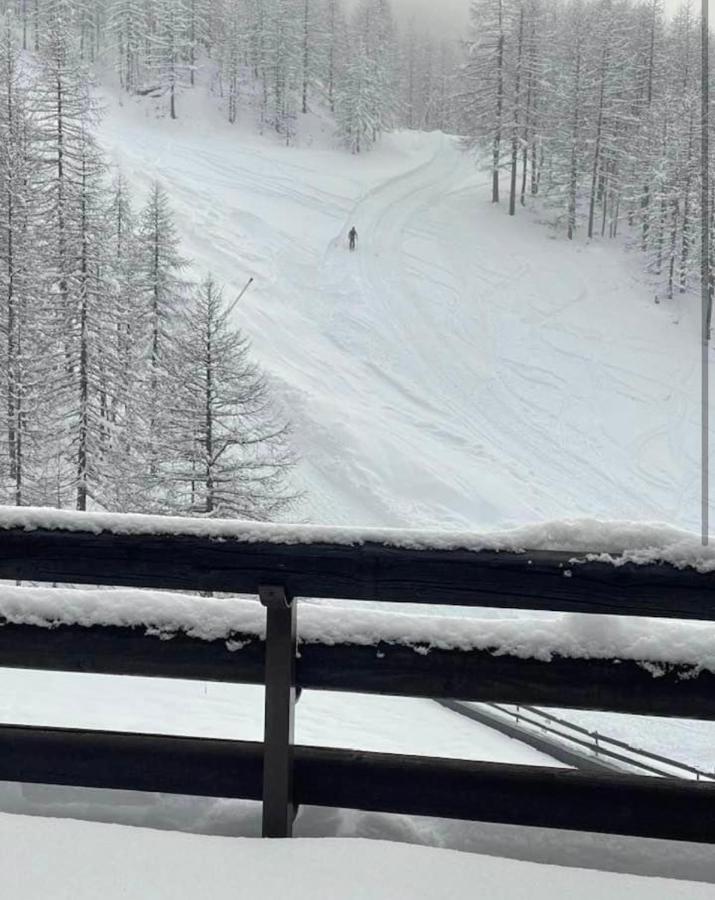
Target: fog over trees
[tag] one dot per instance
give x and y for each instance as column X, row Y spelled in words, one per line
column 107, row 402
column 585, row 109
column 592, row 106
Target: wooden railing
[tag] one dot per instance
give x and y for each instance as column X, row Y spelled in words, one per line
column 100, row 552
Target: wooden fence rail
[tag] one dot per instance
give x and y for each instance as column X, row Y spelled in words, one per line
column 538, row 580
column 379, row 782
column 283, row 775
column 392, row 669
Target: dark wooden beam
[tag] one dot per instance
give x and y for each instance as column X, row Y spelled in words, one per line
column 454, row 789
column 536, row 580
column 599, row 684
column 636, row 805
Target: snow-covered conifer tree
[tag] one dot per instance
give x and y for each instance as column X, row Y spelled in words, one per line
column 127, row 25
column 226, row 446
column 335, row 47
column 160, row 266
column 357, row 102
column 484, row 92
column 22, row 328
column 282, row 65
column 128, row 406
column 169, row 51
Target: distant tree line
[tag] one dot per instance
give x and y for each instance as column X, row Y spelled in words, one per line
column 269, row 59
column 594, row 106
column 123, row 385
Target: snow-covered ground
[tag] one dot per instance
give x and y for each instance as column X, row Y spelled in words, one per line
column 682, row 739
column 461, row 369
column 82, row 862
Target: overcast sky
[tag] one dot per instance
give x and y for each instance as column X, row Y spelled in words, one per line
column 451, row 15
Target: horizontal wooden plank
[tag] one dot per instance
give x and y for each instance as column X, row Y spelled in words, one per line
column 455, row 789
column 618, row 686
column 536, row 580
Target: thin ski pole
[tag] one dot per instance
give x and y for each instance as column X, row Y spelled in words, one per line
column 239, row 298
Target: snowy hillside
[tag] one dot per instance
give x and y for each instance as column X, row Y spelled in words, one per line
column 461, row 369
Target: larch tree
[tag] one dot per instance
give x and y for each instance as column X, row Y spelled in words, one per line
column 357, row 102
column 160, row 272
column 128, row 407
column 22, row 326
column 169, row 51
column 227, row 449
column 484, row 94
column 127, row 27
column 335, row 49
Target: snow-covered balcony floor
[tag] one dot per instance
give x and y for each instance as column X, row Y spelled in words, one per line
column 81, row 861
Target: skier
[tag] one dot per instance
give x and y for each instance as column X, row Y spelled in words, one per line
column 352, row 237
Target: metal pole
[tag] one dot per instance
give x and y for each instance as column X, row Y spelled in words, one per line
column 705, row 274
column 238, row 299
column 278, row 806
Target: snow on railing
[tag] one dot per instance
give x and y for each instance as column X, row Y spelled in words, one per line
column 606, row 659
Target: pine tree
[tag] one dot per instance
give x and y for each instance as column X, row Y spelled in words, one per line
column 22, row 327
column 357, row 102
column 91, row 372
column 281, row 65
column 374, row 29
column 128, row 407
column 366, row 98
column 483, row 100
column 196, row 16
column 228, row 453
column 232, row 55
column 127, row 26
column 335, row 50
column 169, row 51
column 307, row 38
column 160, row 268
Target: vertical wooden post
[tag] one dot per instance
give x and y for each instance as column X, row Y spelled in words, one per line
column 278, row 806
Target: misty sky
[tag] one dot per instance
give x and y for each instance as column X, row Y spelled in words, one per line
column 451, row 15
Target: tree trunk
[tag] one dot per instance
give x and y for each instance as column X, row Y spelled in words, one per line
column 515, row 127
column 306, row 52
column 575, row 134
column 599, row 137
column 496, row 148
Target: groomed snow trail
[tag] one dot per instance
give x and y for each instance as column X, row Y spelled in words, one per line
column 461, row 369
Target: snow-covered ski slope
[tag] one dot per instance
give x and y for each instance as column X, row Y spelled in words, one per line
column 461, row 369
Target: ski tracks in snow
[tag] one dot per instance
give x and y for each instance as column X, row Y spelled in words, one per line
column 460, row 369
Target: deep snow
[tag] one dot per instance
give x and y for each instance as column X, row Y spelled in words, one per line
column 461, row 370
column 588, row 539
column 653, row 642
column 76, row 861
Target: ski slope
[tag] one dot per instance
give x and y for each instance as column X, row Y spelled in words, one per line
column 461, row 369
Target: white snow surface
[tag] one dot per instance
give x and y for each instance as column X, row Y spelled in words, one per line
column 462, row 370
column 461, row 374
column 541, row 637
column 589, row 539
column 78, row 861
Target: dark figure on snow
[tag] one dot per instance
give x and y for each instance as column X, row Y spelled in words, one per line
column 352, row 237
